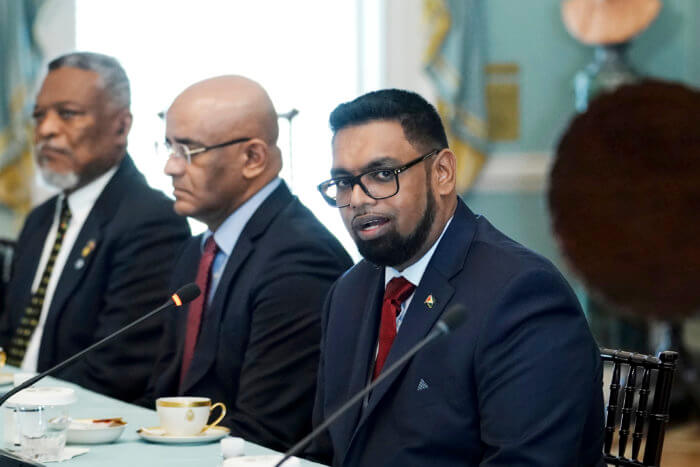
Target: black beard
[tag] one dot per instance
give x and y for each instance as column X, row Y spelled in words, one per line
column 392, row 249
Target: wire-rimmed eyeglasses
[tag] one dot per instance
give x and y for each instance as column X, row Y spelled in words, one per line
column 377, row 183
column 183, row 152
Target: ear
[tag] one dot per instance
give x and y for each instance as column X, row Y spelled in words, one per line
column 444, row 172
column 256, row 159
column 122, row 126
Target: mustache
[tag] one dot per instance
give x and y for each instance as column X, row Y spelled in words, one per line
column 44, row 145
column 364, row 217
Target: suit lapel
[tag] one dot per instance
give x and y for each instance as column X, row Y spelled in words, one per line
column 85, row 246
column 27, row 265
column 76, row 266
column 208, row 340
column 185, row 272
column 447, row 261
column 365, row 348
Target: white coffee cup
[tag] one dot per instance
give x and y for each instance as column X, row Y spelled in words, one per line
column 187, row 416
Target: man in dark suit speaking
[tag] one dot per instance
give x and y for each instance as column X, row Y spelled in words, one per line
column 97, row 256
column 264, row 266
column 518, row 384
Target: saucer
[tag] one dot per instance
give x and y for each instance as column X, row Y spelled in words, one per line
column 261, row 461
column 6, row 378
column 95, row 431
column 157, row 434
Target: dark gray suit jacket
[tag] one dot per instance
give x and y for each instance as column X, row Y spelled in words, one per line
column 137, row 237
column 257, row 349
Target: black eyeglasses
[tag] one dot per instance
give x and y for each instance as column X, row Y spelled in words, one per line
column 377, row 184
column 183, row 152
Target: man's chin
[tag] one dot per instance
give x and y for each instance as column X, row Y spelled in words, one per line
column 185, row 209
column 181, row 208
column 381, row 251
column 61, row 180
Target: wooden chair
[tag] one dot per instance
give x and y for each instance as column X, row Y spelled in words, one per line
column 636, row 378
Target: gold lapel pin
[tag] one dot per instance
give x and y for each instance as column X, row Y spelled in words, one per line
column 88, row 248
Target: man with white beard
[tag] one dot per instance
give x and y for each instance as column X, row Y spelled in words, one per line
column 98, row 255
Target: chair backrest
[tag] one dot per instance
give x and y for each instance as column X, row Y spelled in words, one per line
column 635, row 379
column 6, row 252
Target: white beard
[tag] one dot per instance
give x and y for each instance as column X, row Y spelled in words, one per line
column 62, row 181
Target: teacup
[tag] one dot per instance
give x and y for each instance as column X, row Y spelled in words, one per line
column 187, row 416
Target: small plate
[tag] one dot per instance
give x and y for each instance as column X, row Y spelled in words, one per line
column 95, row 431
column 157, row 434
column 261, row 461
column 6, row 378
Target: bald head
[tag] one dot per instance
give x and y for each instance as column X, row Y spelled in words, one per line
column 235, row 120
column 231, row 102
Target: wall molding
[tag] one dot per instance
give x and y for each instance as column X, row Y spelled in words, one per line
column 514, row 172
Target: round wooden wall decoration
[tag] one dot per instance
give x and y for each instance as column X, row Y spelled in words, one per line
column 624, row 198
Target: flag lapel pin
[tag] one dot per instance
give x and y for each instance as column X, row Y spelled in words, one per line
column 88, row 248
column 84, row 253
column 429, row 301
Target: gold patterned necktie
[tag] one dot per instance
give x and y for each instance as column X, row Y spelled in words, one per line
column 30, row 318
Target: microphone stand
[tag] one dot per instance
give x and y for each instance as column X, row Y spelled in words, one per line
column 189, row 292
column 77, row 356
column 289, row 116
column 440, row 329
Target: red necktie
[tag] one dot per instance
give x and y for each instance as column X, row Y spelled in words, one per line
column 397, row 290
column 196, row 309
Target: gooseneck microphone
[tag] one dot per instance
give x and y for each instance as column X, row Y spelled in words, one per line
column 451, row 320
column 183, row 296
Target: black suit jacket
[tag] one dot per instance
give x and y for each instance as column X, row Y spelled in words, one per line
column 257, row 349
column 137, row 237
column 518, row 384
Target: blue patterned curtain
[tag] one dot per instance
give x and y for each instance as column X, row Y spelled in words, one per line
column 455, row 60
column 20, row 60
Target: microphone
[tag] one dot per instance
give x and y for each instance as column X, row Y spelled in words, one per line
column 450, row 321
column 184, row 295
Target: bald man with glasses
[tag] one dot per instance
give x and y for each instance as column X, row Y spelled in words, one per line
column 264, row 265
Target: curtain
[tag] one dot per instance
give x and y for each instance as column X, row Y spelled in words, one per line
column 20, row 61
column 454, row 61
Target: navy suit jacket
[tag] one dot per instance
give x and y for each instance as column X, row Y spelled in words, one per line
column 518, row 384
column 137, row 237
column 258, row 344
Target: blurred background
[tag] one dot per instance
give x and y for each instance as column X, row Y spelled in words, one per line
column 510, row 79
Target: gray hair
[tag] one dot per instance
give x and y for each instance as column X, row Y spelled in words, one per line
column 113, row 76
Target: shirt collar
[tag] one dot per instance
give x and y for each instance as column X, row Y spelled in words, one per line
column 82, row 199
column 228, row 232
column 414, row 273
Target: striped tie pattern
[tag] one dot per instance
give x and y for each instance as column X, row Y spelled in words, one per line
column 30, row 318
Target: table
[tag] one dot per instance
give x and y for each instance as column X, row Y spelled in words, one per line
column 130, row 450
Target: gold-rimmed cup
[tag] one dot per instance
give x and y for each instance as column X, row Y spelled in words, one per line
column 187, row 416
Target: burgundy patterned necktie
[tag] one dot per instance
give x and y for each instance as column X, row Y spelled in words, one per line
column 198, row 305
column 397, row 291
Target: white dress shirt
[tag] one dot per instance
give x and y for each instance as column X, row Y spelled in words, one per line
column 226, row 236
column 80, row 203
column 413, row 274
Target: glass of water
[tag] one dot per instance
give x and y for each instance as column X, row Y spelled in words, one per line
column 42, row 420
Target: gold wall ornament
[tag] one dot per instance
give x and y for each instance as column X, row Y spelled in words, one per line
column 503, row 101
